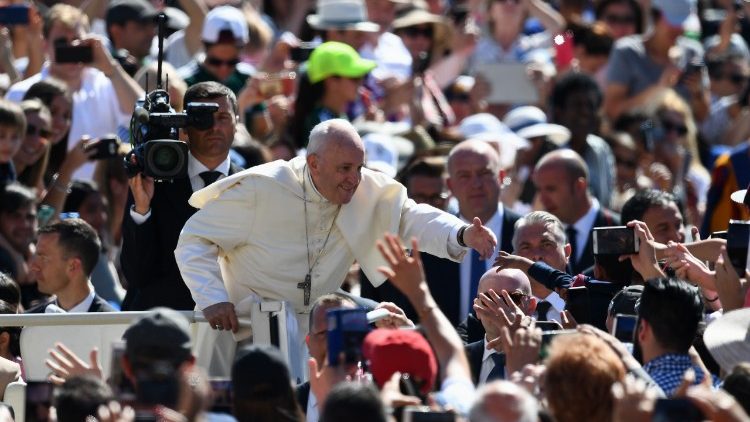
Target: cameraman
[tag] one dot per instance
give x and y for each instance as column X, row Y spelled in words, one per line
column 157, row 212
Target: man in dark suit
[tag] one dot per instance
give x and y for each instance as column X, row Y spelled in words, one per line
column 488, row 365
column 318, row 346
column 156, row 213
column 475, row 179
column 66, row 253
column 561, row 178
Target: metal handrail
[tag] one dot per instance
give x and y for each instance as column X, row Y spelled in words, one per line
column 92, row 318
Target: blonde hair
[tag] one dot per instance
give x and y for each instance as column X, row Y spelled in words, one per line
column 67, row 16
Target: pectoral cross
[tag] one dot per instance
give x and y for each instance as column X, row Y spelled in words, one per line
column 306, row 286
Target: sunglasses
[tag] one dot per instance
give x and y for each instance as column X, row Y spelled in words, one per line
column 353, row 79
column 415, row 31
column 668, row 126
column 619, row 19
column 507, row 1
column 631, row 164
column 735, row 78
column 32, row 130
column 217, row 62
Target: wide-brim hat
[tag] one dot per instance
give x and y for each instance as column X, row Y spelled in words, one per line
column 342, row 15
column 728, row 338
column 531, row 122
column 416, row 16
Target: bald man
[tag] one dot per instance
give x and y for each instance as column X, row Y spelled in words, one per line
column 504, row 401
column 561, row 179
column 289, row 231
column 475, row 179
column 481, row 360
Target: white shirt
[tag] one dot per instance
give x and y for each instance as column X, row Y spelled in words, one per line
column 392, row 57
column 583, row 228
column 83, row 306
column 195, row 168
column 312, row 414
column 487, row 363
column 96, row 109
column 495, row 224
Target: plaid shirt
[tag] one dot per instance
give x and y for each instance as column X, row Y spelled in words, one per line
column 668, row 370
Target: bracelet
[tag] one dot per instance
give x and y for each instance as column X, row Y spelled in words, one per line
column 56, row 186
column 711, row 300
column 460, row 236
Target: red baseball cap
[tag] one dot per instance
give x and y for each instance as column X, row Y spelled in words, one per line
column 407, row 351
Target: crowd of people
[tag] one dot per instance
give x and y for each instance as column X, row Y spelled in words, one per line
column 496, row 143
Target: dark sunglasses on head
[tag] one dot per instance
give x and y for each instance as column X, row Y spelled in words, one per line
column 415, row 31
column 215, row 61
column 517, row 297
column 619, row 19
column 668, row 126
column 32, row 130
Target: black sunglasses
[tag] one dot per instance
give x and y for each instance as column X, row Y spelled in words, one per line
column 671, row 126
column 619, row 19
column 215, row 61
column 32, row 130
column 415, row 31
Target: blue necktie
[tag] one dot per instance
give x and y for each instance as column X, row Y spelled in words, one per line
column 498, row 372
column 478, row 268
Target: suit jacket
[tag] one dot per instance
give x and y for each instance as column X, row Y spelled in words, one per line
column 302, row 393
column 98, row 305
column 474, row 353
column 147, row 256
column 471, row 329
column 604, row 218
column 443, row 278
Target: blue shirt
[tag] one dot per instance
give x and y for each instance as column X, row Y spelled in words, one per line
column 668, row 370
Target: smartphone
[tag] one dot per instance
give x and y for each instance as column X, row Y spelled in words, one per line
column 15, row 14
column 121, row 387
column 38, row 400
column 347, row 329
column 509, row 82
column 105, row 148
column 222, row 396
column 424, row 414
column 676, row 410
column 73, row 53
column 547, row 340
column 624, row 327
column 616, row 240
column 278, row 83
column 719, row 235
column 577, row 303
column 302, row 52
column 548, row 325
column 409, row 387
column 738, row 237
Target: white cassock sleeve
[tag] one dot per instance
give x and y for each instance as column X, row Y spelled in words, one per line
column 223, row 224
column 436, row 230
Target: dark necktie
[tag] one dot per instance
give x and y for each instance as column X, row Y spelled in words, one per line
column 541, row 310
column 571, row 232
column 478, row 268
column 210, row 176
column 498, row 371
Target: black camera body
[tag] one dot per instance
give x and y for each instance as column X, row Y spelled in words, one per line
column 157, row 151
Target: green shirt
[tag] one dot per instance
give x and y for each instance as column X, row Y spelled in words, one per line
column 235, row 82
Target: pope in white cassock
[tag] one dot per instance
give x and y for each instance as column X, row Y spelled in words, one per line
column 290, row 231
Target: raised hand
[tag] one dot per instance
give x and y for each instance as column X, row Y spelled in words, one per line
column 404, row 271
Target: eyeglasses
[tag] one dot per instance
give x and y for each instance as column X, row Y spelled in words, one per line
column 217, row 62
column 619, row 19
column 415, row 31
column 437, row 198
column 668, row 126
column 735, row 78
column 517, row 296
column 32, row 130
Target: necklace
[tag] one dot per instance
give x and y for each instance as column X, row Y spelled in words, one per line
column 306, row 285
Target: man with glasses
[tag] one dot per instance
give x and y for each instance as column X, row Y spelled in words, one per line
column 488, row 365
column 225, row 33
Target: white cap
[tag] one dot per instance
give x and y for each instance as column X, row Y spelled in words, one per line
column 225, row 18
column 531, row 122
column 381, row 153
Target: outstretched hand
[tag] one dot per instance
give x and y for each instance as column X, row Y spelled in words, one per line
column 64, row 364
column 404, row 271
column 479, row 237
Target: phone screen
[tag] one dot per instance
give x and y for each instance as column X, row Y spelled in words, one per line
column 624, row 327
column 222, row 395
column 16, row 14
column 38, row 400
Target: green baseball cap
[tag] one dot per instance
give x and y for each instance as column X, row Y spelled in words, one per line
column 336, row 59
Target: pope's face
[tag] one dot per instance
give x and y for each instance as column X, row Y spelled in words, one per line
column 337, row 170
